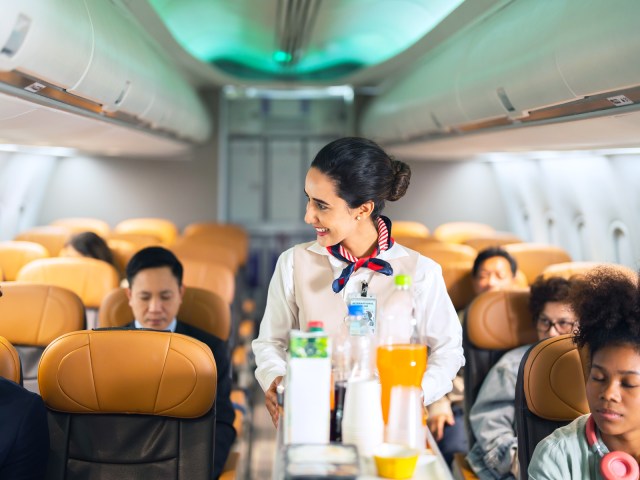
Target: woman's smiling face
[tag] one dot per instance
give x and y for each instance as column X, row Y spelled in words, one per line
column 329, row 214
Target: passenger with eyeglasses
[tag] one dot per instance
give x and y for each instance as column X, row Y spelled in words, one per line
column 492, row 416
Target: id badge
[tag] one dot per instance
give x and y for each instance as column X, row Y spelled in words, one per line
column 369, row 305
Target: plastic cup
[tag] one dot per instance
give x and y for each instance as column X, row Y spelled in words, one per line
column 406, row 415
column 362, row 423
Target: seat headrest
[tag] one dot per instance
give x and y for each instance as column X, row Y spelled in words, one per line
column 36, row 314
column 210, row 276
column 128, row 371
column 500, row 320
column 52, row 237
column 200, row 308
column 533, row 258
column 457, row 279
column 165, row 230
column 9, row 361
column 445, row 253
column 459, row 232
column 15, row 254
column 553, row 380
column 89, row 278
column 409, row 229
column 569, row 269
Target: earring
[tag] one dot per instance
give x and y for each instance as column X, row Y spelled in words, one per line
column 358, row 217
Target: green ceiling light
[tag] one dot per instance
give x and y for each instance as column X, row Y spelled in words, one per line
column 299, row 39
column 282, row 57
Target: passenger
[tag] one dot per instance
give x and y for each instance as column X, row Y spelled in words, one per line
column 24, row 433
column 155, row 295
column 88, row 244
column 493, row 269
column 492, row 416
column 347, row 186
column 608, row 307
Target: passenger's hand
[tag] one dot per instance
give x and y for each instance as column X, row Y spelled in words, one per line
column 437, row 422
column 271, row 400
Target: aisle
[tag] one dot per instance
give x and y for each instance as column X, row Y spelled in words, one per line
column 263, row 444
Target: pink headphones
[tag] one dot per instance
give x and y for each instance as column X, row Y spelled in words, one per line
column 613, row 465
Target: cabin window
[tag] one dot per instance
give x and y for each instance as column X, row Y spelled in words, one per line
column 623, row 252
column 579, row 247
column 552, row 233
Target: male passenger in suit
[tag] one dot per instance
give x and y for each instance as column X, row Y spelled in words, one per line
column 155, row 293
column 24, row 433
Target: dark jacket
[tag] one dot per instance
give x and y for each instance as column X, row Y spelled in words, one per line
column 225, row 433
column 24, row 433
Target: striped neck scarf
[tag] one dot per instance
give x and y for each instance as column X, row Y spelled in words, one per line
column 371, row 262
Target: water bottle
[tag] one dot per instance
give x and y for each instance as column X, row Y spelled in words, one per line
column 362, row 343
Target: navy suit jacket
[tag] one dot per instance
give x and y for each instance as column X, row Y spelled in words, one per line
column 225, row 415
column 24, row 433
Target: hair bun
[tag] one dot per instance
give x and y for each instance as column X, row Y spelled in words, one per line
column 402, row 176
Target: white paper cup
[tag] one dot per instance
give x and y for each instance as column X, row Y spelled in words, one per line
column 362, row 423
column 406, row 412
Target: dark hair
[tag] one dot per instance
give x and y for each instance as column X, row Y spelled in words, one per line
column 608, row 306
column 491, row 252
column 154, row 257
column 89, row 244
column 362, row 171
column 552, row 289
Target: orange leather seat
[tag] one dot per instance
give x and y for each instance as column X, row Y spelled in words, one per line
column 122, row 251
column 402, row 229
column 569, row 269
column 497, row 239
column 200, row 308
column 52, row 237
column 9, row 362
column 459, row 232
column 533, row 258
column 233, row 236
column 210, row 276
column 201, row 248
column 495, row 323
column 16, row 254
column 445, row 253
column 550, row 392
column 78, row 225
column 89, row 278
column 31, row 316
column 129, row 404
column 165, row 230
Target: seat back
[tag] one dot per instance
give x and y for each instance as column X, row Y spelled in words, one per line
column 495, row 323
column 31, row 316
column 203, row 249
column 533, row 258
column 16, row 254
column 495, row 240
column 550, row 392
column 569, row 269
column 409, row 229
column 80, row 224
column 445, row 253
column 9, row 362
column 129, row 404
column 200, row 308
column 458, row 232
column 458, row 280
column 52, row 237
column 210, row 276
column 89, row 278
column 233, row 236
column 165, row 230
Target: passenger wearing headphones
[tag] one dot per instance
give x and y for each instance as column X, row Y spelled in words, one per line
column 606, row 443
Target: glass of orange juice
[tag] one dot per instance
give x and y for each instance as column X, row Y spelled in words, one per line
column 399, row 364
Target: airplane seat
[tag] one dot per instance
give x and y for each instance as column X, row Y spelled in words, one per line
column 15, row 254
column 129, row 404
column 89, row 278
column 31, row 316
column 405, row 228
column 458, row 280
column 569, row 269
column 233, row 236
column 122, row 251
column 201, row 248
column 10, row 367
column 550, row 392
column 79, row 225
column 445, row 253
column 200, row 308
column 210, row 276
column 165, row 230
column 52, row 237
column 533, row 258
column 495, row 240
column 495, row 323
column 458, row 232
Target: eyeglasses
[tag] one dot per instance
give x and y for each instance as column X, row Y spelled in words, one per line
column 562, row 326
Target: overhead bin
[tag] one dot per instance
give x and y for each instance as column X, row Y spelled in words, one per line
column 526, row 57
column 91, row 58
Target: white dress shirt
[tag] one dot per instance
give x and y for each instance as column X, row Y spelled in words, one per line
column 437, row 320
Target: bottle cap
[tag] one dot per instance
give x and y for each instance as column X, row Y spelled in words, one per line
column 316, row 326
column 356, row 310
column 403, row 280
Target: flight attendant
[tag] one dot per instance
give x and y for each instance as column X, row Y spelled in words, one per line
column 354, row 255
